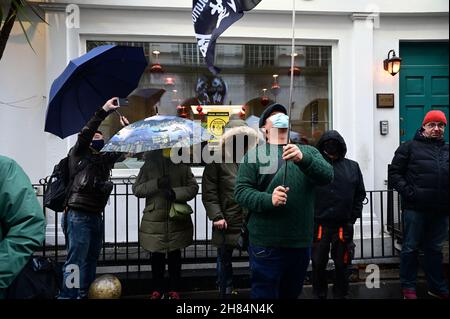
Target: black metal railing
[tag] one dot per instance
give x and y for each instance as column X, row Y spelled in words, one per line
column 376, row 234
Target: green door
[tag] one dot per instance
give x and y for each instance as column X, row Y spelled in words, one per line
column 423, row 84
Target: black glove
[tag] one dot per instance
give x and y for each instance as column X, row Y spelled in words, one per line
column 164, row 182
column 169, row 194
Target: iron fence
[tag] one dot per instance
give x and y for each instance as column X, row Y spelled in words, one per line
column 376, row 234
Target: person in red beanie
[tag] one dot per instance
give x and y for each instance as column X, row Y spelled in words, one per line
column 434, row 124
column 419, row 172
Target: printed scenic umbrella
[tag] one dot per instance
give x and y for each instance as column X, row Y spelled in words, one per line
column 157, row 132
column 88, row 82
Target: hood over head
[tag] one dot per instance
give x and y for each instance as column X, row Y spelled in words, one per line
column 332, row 135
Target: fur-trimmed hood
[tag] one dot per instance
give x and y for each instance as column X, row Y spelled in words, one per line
column 238, row 128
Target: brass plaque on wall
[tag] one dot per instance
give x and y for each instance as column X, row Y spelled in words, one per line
column 385, row 100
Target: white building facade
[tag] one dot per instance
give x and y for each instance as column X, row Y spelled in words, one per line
column 359, row 34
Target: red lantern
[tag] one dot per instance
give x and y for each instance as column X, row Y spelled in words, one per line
column 169, row 81
column 264, row 98
column 275, row 86
column 156, row 68
column 242, row 112
column 183, row 114
column 297, row 71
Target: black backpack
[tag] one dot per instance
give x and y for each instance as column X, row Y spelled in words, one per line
column 41, row 278
column 59, row 185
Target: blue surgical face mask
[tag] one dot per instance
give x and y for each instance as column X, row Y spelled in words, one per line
column 280, row 120
column 98, row 145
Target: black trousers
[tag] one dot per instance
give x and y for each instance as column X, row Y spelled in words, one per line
column 158, row 262
column 340, row 240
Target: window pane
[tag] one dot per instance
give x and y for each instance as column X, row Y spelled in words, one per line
column 247, row 80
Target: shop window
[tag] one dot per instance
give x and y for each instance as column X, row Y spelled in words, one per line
column 245, row 86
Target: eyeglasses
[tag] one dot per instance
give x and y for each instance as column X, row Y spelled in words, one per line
column 439, row 125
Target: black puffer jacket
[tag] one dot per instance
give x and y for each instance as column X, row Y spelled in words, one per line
column 419, row 172
column 339, row 202
column 90, row 191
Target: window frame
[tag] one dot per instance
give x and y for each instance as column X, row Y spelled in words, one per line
column 119, row 173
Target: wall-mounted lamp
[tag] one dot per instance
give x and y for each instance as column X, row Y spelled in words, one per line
column 392, row 64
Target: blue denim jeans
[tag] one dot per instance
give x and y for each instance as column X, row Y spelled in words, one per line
column 428, row 232
column 225, row 270
column 277, row 273
column 84, row 233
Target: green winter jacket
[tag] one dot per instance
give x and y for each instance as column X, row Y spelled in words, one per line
column 218, row 184
column 158, row 233
column 284, row 226
column 22, row 221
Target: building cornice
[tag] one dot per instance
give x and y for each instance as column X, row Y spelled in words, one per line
column 306, row 8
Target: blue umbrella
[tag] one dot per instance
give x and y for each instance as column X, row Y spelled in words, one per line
column 88, row 82
column 157, row 132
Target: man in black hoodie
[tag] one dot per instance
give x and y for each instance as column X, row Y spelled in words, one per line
column 338, row 206
column 419, row 172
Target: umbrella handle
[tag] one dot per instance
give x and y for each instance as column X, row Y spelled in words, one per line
column 118, row 113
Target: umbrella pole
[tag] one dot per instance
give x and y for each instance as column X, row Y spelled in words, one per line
column 291, row 86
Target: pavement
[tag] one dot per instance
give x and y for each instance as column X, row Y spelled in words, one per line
column 388, row 289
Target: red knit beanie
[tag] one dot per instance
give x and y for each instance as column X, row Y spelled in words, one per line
column 435, row 116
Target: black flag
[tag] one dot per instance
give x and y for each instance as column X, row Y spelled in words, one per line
column 211, row 18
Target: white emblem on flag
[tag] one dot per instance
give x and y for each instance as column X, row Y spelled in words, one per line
column 220, row 9
column 203, row 42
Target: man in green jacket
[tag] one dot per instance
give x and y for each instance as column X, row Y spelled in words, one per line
column 281, row 229
column 22, row 222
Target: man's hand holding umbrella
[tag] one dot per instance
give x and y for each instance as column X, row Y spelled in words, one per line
column 291, row 152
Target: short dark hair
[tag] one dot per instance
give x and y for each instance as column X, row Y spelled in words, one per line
column 99, row 132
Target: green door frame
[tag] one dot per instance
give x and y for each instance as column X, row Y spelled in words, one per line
column 423, row 84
